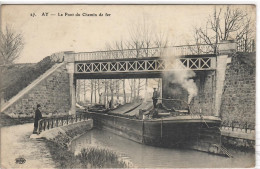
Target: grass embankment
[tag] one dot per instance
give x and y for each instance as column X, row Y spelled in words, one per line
column 87, row 158
column 17, row 76
column 5, row 120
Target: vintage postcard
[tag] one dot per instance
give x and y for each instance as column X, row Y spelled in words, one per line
column 128, row 86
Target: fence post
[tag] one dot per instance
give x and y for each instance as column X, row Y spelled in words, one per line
column 76, row 118
column 61, row 121
column 246, row 127
column 80, row 117
column 39, row 126
column 51, row 122
column 44, row 125
column 57, row 122
column 67, row 120
column 48, row 124
column 232, row 125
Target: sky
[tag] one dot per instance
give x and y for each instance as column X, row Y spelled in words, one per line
column 44, row 35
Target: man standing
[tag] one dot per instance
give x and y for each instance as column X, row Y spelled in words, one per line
column 38, row 116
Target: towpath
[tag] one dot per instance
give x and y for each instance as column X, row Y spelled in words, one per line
column 16, row 146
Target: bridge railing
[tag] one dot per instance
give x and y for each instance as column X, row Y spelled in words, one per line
column 49, row 123
column 144, row 52
column 184, row 50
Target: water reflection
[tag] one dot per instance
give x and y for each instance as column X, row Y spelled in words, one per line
column 148, row 156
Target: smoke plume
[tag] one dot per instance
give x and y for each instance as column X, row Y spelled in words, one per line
column 179, row 74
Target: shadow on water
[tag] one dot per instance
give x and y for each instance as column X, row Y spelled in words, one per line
column 147, row 156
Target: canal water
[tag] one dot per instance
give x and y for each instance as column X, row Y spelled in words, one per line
column 147, row 156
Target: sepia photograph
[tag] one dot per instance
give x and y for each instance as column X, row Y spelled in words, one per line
column 128, row 86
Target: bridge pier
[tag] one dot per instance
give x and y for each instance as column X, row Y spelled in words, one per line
column 225, row 49
column 72, row 80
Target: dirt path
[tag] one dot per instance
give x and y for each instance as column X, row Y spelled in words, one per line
column 16, row 143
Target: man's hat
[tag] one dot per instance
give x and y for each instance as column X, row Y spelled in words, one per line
column 38, row 105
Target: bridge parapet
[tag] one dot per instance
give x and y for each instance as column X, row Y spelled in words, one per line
column 142, row 53
column 194, row 57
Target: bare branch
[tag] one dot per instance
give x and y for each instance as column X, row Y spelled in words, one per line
column 11, row 45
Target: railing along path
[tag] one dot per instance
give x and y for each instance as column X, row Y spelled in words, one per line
column 245, row 127
column 49, row 123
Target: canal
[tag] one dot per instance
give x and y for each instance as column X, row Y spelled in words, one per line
column 144, row 156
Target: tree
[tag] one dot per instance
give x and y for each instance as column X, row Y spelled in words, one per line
column 142, row 37
column 224, row 24
column 11, row 45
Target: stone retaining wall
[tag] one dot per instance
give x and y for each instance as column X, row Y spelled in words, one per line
column 65, row 134
column 238, row 138
column 237, row 142
column 238, row 99
column 53, row 93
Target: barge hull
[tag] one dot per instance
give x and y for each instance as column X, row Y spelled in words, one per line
column 194, row 134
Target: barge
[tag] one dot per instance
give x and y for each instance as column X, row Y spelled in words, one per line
column 187, row 131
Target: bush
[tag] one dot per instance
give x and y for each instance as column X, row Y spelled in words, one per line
column 100, row 158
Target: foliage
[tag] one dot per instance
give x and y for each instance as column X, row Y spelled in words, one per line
column 100, row 158
column 6, row 120
column 88, row 158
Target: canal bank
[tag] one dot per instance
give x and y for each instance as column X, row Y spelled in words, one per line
column 238, row 139
column 19, row 151
column 63, row 135
column 59, row 139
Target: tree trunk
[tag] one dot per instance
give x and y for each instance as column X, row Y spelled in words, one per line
column 78, row 91
column 112, row 94
column 84, row 90
column 145, row 94
column 91, row 96
column 138, row 89
column 99, row 94
column 159, row 88
column 95, row 91
column 134, row 90
column 105, row 93
column 117, row 89
column 124, row 91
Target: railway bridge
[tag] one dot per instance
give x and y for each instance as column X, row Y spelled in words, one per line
column 151, row 63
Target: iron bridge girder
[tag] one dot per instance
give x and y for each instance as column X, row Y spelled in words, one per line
column 145, row 65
